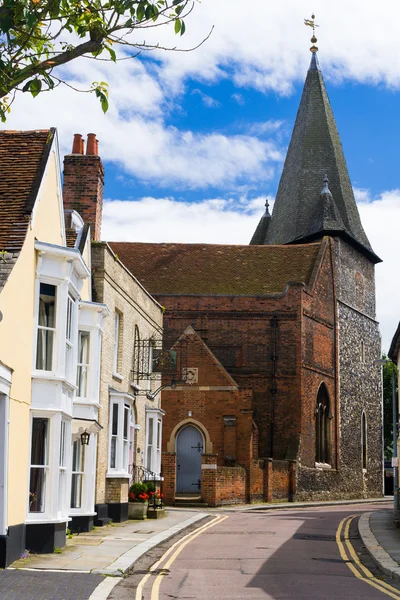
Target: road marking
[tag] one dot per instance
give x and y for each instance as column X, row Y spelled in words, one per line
column 155, row 590
column 361, row 572
column 188, row 537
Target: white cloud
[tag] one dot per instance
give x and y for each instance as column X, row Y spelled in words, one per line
column 381, row 219
column 207, row 100
column 233, row 221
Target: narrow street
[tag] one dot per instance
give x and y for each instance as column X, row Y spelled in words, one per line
column 304, row 553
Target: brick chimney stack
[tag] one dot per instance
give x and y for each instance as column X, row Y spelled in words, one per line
column 84, row 182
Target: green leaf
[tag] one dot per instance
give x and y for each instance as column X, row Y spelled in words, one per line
column 178, row 25
column 35, row 87
column 183, row 28
column 140, row 12
column 27, row 86
column 112, row 54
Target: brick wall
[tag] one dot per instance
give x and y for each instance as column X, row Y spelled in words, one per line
column 83, row 187
column 169, row 474
column 115, row 286
column 116, row 490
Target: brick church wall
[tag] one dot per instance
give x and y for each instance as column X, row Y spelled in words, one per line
column 240, row 332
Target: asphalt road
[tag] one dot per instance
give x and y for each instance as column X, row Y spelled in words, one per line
column 313, row 554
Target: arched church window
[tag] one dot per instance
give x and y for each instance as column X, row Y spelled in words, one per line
column 364, row 441
column 323, row 427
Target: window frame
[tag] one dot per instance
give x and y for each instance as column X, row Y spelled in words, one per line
column 118, row 344
column 83, row 367
column 52, row 330
column 323, row 429
column 119, row 434
column 154, row 440
column 44, row 467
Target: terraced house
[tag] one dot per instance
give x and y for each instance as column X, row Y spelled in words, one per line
column 129, row 410
column 50, row 340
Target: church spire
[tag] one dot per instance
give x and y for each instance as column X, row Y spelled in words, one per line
column 315, row 150
column 262, row 228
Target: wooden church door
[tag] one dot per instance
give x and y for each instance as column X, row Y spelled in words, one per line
column 189, row 449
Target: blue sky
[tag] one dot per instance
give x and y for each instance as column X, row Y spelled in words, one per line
column 194, row 142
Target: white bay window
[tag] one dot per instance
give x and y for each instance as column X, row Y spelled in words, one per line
column 153, row 439
column 121, row 433
column 83, row 364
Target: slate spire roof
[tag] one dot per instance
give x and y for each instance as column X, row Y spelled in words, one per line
column 262, row 227
column 301, row 213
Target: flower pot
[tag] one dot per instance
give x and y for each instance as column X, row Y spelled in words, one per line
column 137, row 510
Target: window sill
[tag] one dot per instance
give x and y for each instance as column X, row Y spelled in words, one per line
column 118, row 475
column 117, row 376
column 323, row 466
column 42, row 520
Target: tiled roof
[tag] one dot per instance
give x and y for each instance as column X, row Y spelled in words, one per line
column 208, row 269
column 23, row 156
column 315, row 150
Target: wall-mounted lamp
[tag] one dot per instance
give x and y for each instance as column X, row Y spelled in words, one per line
column 85, row 437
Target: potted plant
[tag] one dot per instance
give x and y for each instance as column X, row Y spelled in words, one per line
column 138, row 500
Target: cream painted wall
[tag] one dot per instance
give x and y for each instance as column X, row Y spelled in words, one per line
column 16, row 335
column 47, row 220
column 16, row 331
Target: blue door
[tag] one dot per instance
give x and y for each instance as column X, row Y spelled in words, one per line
column 189, row 449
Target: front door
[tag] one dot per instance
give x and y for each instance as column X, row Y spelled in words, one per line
column 189, row 449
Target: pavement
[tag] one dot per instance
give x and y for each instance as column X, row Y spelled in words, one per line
column 382, row 540
column 93, row 563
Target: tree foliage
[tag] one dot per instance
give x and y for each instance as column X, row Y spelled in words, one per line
column 388, row 368
column 36, row 36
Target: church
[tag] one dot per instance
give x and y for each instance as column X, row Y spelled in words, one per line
column 275, row 394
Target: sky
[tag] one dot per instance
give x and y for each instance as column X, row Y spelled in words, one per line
column 194, row 142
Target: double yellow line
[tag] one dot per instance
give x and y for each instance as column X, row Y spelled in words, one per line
column 348, row 554
column 174, row 551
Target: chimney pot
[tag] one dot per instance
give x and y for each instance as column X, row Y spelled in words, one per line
column 91, row 145
column 82, row 146
column 77, row 146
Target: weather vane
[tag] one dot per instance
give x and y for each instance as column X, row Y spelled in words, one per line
column 311, row 23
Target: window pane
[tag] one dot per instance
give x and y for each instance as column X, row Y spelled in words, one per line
column 37, row 489
column 125, row 456
column 149, row 458
column 62, row 444
column 76, row 455
column 150, row 433
column 76, row 490
column 82, row 382
column 158, row 434
column 70, row 313
column 116, row 341
column 83, row 356
column 44, row 350
column 115, row 420
column 47, row 305
column 39, row 441
column 113, row 452
column 126, row 420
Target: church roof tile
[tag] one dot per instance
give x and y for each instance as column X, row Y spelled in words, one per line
column 207, row 269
